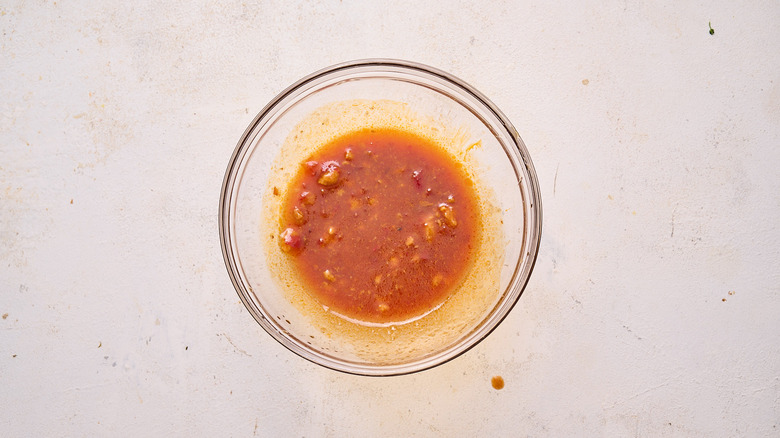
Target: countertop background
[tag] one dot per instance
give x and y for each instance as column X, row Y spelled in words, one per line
column 654, row 308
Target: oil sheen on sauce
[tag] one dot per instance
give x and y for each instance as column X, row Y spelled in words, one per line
column 380, row 225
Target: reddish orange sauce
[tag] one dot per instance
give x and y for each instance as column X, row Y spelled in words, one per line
column 381, row 225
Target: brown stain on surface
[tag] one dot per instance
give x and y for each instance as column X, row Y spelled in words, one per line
column 107, row 123
column 497, row 382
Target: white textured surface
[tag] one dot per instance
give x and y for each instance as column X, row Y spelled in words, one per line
column 661, row 198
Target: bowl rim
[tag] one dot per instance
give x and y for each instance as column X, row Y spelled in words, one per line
column 426, row 362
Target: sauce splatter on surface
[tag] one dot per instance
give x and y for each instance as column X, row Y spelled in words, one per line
column 497, row 382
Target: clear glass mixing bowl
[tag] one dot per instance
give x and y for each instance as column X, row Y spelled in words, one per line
column 498, row 160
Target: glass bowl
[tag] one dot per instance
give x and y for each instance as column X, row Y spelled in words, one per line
column 380, row 93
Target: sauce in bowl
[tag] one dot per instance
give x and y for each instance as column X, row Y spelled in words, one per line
column 381, row 225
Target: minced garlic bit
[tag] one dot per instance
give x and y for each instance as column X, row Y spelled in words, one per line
column 307, row 198
column 449, row 214
column 348, row 154
column 332, row 231
column 429, row 230
column 437, row 280
column 300, row 218
column 383, row 307
column 330, row 174
column 329, row 275
column 409, row 241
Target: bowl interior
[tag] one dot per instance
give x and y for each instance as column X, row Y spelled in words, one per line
column 378, row 93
